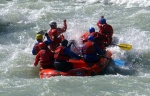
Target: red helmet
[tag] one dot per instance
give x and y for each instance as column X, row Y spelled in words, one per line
column 42, row 45
column 54, row 32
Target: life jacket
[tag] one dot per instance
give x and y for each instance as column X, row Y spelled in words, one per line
column 94, row 34
column 59, row 31
column 56, row 42
column 97, row 36
column 107, row 30
column 59, row 54
column 46, row 57
column 99, row 39
column 89, row 48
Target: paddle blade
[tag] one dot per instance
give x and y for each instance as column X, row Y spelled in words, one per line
column 125, row 46
column 119, row 63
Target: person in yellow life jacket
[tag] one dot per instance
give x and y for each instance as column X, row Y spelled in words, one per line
column 106, row 30
column 91, row 51
column 39, row 38
column 45, row 56
column 56, row 39
column 62, row 55
column 53, row 25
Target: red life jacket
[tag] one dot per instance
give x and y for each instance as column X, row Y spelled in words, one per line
column 46, row 57
column 89, row 48
column 56, row 42
column 59, row 54
column 99, row 39
column 84, row 37
column 107, row 30
column 59, row 31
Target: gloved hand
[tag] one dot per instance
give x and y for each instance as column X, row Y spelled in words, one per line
column 46, row 34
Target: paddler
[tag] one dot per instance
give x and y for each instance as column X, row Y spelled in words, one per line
column 91, row 51
column 106, row 30
column 45, row 56
column 62, row 55
column 53, row 25
column 39, row 38
column 56, row 39
column 98, row 38
column 55, row 33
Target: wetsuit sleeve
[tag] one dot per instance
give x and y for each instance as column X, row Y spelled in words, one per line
column 71, row 54
column 82, row 48
column 33, row 51
column 48, row 41
column 65, row 26
column 37, row 59
column 63, row 29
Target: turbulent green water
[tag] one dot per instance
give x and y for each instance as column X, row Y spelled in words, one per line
column 20, row 20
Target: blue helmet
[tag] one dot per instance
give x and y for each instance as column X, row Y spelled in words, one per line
column 91, row 38
column 92, row 29
column 102, row 21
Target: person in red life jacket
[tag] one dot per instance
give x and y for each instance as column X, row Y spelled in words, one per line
column 53, row 25
column 56, row 39
column 106, row 30
column 39, row 38
column 45, row 56
column 62, row 55
column 92, row 32
column 98, row 38
column 90, row 50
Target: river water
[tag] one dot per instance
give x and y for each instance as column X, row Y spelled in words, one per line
column 20, row 20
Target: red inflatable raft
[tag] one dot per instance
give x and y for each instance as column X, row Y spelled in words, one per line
column 79, row 68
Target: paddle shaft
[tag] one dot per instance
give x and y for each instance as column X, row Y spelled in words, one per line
column 124, row 46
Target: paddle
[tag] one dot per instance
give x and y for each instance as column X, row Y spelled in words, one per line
column 77, row 49
column 42, row 32
column 124, row 46
column 119, row 63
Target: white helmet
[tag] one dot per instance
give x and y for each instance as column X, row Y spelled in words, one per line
column 52, row 23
